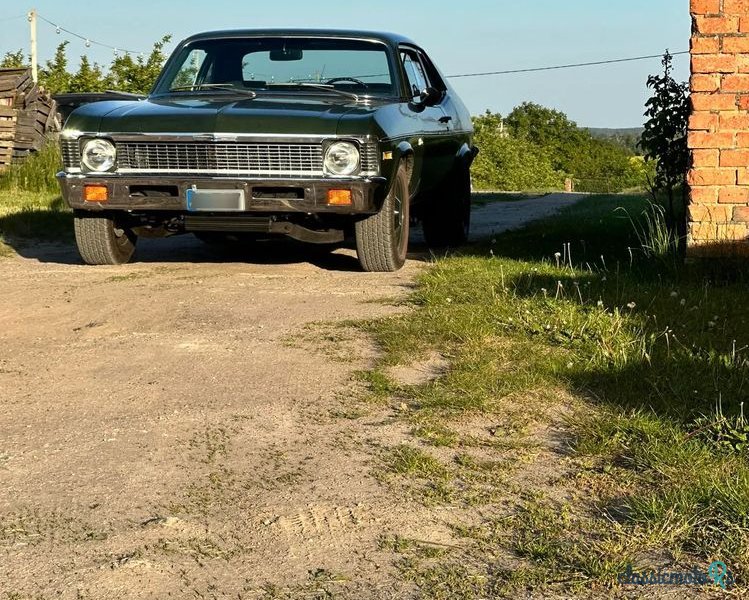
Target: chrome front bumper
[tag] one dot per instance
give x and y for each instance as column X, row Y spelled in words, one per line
column 368, row 193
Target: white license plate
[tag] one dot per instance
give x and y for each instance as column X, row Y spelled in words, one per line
column 215, row 200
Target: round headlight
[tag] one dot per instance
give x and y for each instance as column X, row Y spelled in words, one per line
column 98, row 155
column 342, row 158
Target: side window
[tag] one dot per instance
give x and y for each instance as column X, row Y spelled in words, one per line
column 417, row 80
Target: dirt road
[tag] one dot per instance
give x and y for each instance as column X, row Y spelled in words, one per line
column 176, row 428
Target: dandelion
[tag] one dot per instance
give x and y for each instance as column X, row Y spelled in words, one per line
column 449, row 300
column 558, row 256
column 631, row 305
column 570, row 365
column 603, row 278
column 674, row 294
column 544, row 291
column 599, row 303
column 711, row 323
column 683, row 302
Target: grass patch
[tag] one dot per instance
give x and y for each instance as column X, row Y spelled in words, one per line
column 30, row 202
column 654, row 356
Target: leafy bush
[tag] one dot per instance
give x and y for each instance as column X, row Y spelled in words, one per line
column 506, row 163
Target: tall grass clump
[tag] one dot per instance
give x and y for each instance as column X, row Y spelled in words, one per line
column 36, row 173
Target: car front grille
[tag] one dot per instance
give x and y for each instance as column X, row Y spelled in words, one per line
column 71, row 154
column 231, row 158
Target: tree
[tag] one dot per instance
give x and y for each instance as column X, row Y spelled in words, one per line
column 509, row 163
column 137, row 76
column 665, row 142
column 55, row 77
column 13, row 60
column 88, row 78
column 550, row 129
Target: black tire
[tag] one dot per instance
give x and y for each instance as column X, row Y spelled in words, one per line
column 447, row 221
column 102, row 240
column 382, row 239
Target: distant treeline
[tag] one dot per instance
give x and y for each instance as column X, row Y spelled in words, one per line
column 538, row 148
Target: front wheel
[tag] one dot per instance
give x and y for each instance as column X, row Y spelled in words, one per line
column 447, row 219
column 382, row 239
column 103, row 240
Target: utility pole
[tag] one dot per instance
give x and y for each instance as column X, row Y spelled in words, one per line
column 32, row 24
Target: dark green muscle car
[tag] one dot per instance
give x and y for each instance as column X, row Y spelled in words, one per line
column 317, row 135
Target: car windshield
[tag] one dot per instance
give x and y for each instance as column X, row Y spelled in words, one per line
column 345, row 69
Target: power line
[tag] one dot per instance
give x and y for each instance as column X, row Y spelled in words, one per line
column 570, row 66
column 88, row 41
column 11, row 18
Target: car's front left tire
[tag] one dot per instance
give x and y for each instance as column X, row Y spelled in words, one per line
column 382, row 238
column 103, row 239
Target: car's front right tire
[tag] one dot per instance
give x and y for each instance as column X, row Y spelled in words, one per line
column 103, row 239
column 382, row 238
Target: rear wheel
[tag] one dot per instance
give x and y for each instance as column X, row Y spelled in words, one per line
column 447, row 220
column 382, row 239
column 103, row 239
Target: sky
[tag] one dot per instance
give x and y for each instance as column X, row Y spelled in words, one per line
column 461, row 37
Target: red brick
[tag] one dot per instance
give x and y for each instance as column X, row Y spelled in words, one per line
column 704, row 83
column 742, row 177
column 743, row 102
column 703, row 121
column 744, row 25
column 701, row 139
column 705, row 45
column 712, row 177
column 714, row 63
column 741, row 213
column 733, row 195
column 704, row 7
column 724, row 24
column 734, row 158
column 710, row 212
column 703, row 195
column 742, row 139
column 736, row 7
column 734, row 121
column 702, row 101
column 736, row 45
column 735, row 83
column 705, row 158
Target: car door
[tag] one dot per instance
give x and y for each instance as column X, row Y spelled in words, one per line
column 432, row 125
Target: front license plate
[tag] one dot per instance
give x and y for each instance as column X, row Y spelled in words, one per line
column 215, row 200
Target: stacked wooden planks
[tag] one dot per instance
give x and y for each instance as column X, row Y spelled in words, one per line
column 27, row 115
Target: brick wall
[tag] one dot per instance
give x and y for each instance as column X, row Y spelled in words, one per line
column 719, row 128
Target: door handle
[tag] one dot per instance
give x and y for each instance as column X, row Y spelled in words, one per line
column 446, row 119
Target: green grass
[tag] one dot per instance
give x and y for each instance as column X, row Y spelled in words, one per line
column 30, row 203
column 653, row 355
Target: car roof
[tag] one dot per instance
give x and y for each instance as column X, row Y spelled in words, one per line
column 392, row 39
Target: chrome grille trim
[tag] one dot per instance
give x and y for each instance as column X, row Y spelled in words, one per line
column 232, row 158
column 71, row 154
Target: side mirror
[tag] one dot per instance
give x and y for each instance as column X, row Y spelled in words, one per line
column 430, row 96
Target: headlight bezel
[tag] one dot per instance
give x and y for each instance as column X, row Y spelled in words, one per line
column 104, row 145
column 354, row 168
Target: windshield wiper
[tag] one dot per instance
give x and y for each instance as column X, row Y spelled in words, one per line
column 318, row 86
column 226, row 87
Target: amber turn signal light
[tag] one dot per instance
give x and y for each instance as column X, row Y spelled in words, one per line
column 339, row 197
column 95, row 193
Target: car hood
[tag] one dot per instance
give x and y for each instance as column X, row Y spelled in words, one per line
column 216, row 114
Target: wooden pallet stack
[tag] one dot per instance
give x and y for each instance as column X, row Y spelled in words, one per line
column 27, row 116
